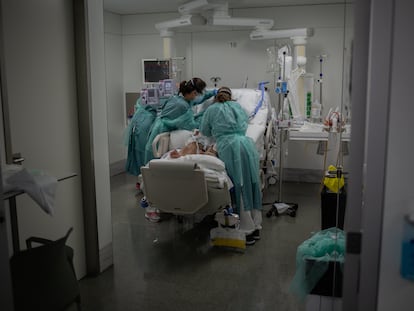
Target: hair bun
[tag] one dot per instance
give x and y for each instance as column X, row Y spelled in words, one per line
column 224, row 89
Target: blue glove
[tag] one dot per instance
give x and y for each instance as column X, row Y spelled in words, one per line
column 215, row 91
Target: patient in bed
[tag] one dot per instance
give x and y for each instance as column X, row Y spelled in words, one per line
column 193, row 148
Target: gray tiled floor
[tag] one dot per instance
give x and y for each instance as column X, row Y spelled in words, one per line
column 171, row 266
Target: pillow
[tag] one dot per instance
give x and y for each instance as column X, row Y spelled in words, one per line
column 179, row 138
column 247, row 98
column 204, row 161
column 202, row 107
column 255, row 132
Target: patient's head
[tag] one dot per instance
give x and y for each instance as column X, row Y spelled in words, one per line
column 223, row 94
column 192, row 148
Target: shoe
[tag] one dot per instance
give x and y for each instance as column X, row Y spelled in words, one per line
column 153, row 216
column 291, row 212
column 256, row 234
column 250, row 240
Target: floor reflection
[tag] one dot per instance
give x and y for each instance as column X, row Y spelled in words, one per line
column 171, row 265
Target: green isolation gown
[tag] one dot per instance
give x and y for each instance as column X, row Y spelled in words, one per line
column 136, row 136
column 176, row 114
column 227, row 123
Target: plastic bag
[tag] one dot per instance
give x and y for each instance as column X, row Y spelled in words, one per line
column 334, row 184
column 313, row 257
column 228, row 237
column 39, row 186
column 226, row 219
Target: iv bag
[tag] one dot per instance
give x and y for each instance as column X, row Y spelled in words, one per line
column 272, row 64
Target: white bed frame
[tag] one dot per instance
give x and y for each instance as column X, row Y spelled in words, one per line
column 181, row 188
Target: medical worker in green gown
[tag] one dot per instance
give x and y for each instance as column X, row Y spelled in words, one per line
column 136, row 136
column 227, row 122
column 177, row 113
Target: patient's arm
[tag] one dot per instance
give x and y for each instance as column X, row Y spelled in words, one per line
column 210, row 151
column 190, row 148
column 174, row 154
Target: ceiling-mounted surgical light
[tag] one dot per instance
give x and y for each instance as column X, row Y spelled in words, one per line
column 258, row 23
column 165, row 33
column 198, row 6
column 217, row 12
column 185, row 20
column 221, row 17
column 279, row 34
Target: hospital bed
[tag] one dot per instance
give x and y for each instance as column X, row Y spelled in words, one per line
column 185, row 186
column 198, row 183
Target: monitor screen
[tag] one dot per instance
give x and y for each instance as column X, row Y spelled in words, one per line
column 155, row 70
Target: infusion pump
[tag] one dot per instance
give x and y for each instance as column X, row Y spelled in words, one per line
column 151, row 95
column 167, row 87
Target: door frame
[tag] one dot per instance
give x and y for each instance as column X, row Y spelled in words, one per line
column 6, row 292
column 371, row 78
column 84, row 102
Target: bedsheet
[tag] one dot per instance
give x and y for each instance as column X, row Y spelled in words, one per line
column 214, row 169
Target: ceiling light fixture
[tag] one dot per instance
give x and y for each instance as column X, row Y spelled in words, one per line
column 279, row 34
column 186, row 20
column 258, row 23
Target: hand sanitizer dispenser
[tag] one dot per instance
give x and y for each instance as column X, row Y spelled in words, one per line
column 407, row 254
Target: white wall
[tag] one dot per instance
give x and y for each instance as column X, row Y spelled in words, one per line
column 114, row 86
column 209, row 53
column 396, row 293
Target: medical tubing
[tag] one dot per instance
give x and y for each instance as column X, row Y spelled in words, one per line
column 260, row 103
column 320, row 80
column 198, row 147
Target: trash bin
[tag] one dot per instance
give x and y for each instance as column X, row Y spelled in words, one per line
column 319, row 264
column 330, row 284
column 329, row 208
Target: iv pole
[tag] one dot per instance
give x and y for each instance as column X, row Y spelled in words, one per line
column 282, row 96
column 279, row 207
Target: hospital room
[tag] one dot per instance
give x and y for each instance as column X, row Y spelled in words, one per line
column 281, row 62
column 197, row 154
